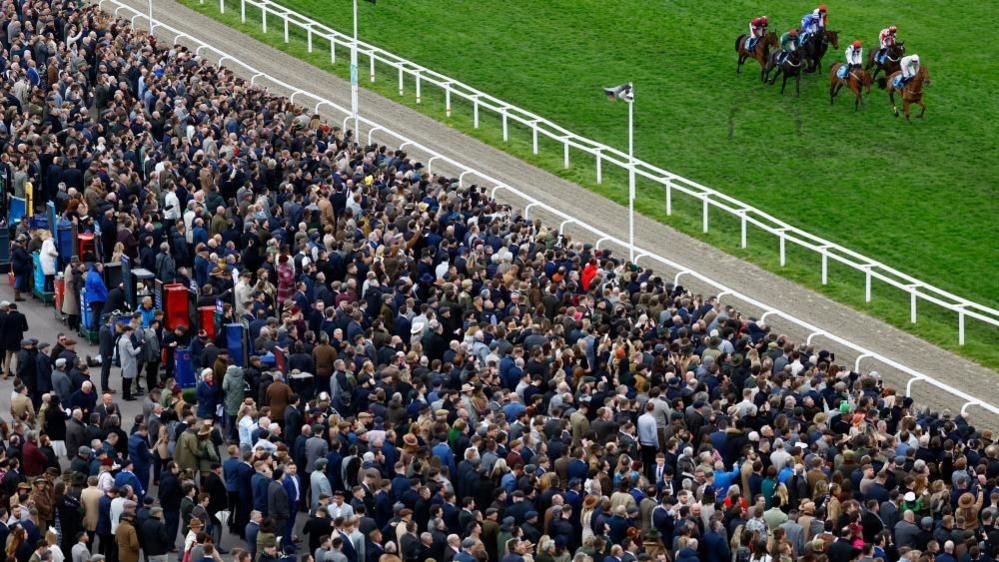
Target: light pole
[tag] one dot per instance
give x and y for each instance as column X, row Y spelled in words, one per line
column 626, row 93
column 150, row 17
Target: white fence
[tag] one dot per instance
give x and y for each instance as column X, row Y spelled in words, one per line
column 747, row 215
column 564, row 219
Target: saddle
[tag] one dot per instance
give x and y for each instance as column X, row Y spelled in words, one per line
column 751, row 42
column 843, row 71
column 899, row 81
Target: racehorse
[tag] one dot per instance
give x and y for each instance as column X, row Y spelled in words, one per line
column 857, row 80
column 790, row 66
column 892, row 57
column 912, row 93
column 816, row 46
column 759, row 52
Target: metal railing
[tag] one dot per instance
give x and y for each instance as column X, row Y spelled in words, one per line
column 746, row 214
column 565, row 219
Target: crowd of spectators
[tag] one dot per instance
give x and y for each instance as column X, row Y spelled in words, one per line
column 482, row 388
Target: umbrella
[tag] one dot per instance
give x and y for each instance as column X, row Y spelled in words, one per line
column 223, row 517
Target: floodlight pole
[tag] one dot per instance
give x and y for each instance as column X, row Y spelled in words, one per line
column 353, row 75
column 150, row 17
column 631, row 178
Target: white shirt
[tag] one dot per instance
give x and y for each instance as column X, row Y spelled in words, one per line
column 117, row 508
column 344, row 510
column 171, row 204
column 246, row 426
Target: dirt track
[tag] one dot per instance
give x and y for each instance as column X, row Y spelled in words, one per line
column 609, row 217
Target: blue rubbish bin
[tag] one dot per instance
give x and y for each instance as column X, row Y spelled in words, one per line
column 36, row 259
column 183, row 368
column 64, row 242
column 235, row 342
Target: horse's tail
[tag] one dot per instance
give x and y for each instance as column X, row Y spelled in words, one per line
column 738, row 42
column 882, row 82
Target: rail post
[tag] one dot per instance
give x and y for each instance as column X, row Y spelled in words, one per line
column 418, row 87
column 263, row 18
column 783, row 246
column 565, row 155
column 742, row 228
column 534, row 135
column 401, row 80
column 475, row 112
column 960, row 324
column 506, row 127
column 242, row 11
column 704, row 213
column 447, row 99
column 867, row 283
column 600, row 171
column 669, row 198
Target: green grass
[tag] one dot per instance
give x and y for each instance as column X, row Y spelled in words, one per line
column 921, row 197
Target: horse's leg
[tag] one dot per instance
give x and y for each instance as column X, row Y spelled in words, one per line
column 856, row 102
column 797, row 84
column 832, row 91
column 922, row 109
column 738, row 66
column 780, row 70
column 891, row 98
column 905, row 107
column 877, row 68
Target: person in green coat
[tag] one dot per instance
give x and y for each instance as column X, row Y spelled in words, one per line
column 188, row 450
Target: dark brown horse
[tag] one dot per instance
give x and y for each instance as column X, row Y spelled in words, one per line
column 790, row 67
column 760, row 51
column 891, row 62
column 912, row 93
column 858, row 80
column 816, row 46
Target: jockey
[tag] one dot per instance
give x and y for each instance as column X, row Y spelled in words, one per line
column 813, row 22
column 757, row 29
column 910, row 66
column 854, row 56
column 887, row 39
column 788, row 44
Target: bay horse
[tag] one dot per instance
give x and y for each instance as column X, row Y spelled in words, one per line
column 759, row 52
column 816, row 46
column 912, row 93
column 857, row 80
column 789, row 67
column 893, row 55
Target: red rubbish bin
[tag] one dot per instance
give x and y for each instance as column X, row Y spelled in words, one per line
column 175, row 302
column 85, row 240
column 206, row 320
column 59, row 288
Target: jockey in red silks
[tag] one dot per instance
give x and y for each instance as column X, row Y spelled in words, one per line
column 757, row 29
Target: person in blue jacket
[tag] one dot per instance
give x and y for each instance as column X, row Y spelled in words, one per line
column 97, row 292
column 138, row 452
column 22, row 266
column 207, row 394
column 127, row 477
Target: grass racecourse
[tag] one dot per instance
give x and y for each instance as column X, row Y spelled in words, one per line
column 922, row 197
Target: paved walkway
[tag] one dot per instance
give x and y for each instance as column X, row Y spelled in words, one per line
column 608, row 216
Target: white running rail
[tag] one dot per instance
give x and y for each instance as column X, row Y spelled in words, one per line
column 710, row 198
column 565, row 219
